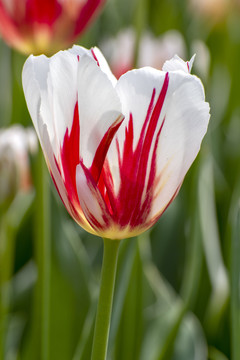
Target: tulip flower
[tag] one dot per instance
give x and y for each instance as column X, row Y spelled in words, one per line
column 117, row 151
column 45, row 26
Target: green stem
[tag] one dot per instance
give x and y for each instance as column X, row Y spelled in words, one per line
column 102, row 324
column 235, row 298
column 43, row 249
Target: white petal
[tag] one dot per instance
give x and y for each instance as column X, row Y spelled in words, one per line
column 176, row 63
column 62, row 90
column 34, row 79
column 51, row 93
column 187, row 117
column 99, row 107
column 135, row 89
column 104, row 65
column 49, row 156
column 97, row 55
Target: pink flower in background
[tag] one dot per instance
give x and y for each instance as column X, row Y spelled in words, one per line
column 117, row 151
column 153, row 51
column 45, row 26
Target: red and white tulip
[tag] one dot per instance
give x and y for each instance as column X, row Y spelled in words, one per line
column 117, row 150
column 45, row 26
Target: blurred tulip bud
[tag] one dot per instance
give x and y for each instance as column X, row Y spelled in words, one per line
column 44, row 26
column 15, row 145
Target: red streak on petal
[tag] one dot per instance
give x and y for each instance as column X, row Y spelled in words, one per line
column 103, row 147
column 70, row 157
column 141, row 215
column 132, row 208
column 96, row 194
column 95, row 57
column 106, row 187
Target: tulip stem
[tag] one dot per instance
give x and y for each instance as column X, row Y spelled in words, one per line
column 103, row 317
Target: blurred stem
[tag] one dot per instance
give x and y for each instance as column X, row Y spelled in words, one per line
column 140, row 22
column 212, row 249
column 102, row 324
column 235, row 298
column 191, row 278
column 43, row 249
column 6, row 261
column 10, row 221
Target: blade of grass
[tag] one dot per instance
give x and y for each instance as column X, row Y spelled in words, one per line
column 235, row 281
column 212, row 249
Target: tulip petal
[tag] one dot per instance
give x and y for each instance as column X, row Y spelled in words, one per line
column 170, row 146
column 69, row 201
column 97, row 55
column 34, row 79
column 186, row 123
column 138, row 91
column 176, row 63
column 99, row 107
column 62, row 84
column 91, row 200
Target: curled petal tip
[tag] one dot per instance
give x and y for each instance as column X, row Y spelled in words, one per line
column 176, row 63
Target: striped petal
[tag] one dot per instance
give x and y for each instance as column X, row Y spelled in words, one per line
column 176, row 64
column 91, row 200
column 166, row 118
column 186, row 122
column 99, row 107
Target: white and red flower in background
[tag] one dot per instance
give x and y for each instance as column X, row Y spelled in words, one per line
column 45, row 26
column 117, row 151
column 16, row 143
column 153, row 51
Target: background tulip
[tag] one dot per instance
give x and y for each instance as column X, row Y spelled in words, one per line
column 153, row 51
column 117, row 151
column 15, row 145
column 45, row 26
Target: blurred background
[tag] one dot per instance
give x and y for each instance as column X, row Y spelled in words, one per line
column 177, row 288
